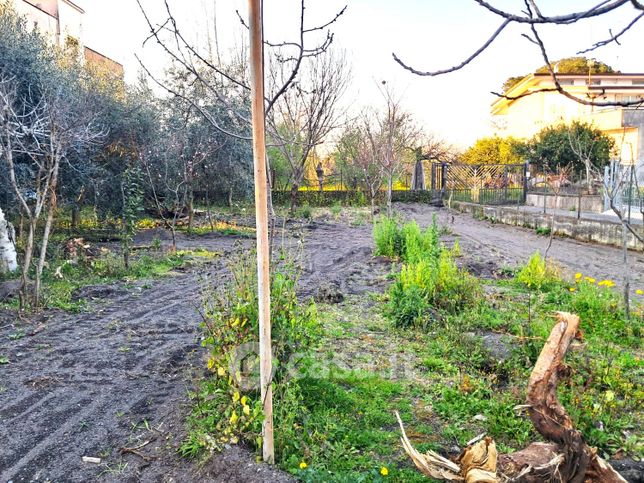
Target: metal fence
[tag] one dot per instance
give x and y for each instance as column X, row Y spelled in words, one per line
column 488, row 184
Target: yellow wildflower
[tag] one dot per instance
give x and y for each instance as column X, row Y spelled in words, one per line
column 234, row 418
column 590, row 279
column 246, row 410
column 303, row 465
column 639, row 291
column 221, row 372
column 236, row 396
column 211, row 363
column 384, row 471
column 606, row 283
column 572, row 289
column 578, row 276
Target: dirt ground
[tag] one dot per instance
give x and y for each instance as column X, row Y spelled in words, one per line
column 117, row 376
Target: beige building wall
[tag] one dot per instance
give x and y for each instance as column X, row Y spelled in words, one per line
column 524, row 117
column 41, row 15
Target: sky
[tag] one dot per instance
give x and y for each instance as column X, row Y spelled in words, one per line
column 429, row 35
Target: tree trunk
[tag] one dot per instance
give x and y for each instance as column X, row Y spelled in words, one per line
column 230, row 198
column 45, row 238
column 294, row 189
column 625, row 268
column 390, row 188
column 29, row 251
column 191, row 210
column 75, row 217
column 173, row 232
column 565, row 458
column 8, row 256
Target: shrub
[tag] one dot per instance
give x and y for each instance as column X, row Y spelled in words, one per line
column 227, row 409
column 427, row 285
column 538, row 274
column 408, row 243
column 387, row 238
column 305, row 212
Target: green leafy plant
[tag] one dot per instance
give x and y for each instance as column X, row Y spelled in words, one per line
column 227, row 410
column 538, row 274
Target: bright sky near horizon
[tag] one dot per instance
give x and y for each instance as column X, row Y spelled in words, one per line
column 430, row 35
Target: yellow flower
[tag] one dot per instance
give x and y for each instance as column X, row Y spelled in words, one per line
column 578, row 276
column 243, row 400
column 234, row 418
column 221, row 372
column 236, row 396
column 211, row 363
column 303, row 465
column 572, row 289
column 639, row 291
column 606, row 283
column 246, row 410
column 590, row 279
column 384, row 471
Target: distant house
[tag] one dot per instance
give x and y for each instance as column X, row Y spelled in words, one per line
column 62, row 22
column 524, row 117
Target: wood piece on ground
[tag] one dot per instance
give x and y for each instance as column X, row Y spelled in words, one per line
column 92, row 459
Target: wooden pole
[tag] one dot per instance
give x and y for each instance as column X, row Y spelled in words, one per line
column 261, row 214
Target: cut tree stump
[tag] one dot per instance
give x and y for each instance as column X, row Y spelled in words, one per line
column 564, row 458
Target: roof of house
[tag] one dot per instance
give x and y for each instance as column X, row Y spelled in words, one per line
column 531, row 80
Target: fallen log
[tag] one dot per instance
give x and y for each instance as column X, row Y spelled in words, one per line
column 564, row 458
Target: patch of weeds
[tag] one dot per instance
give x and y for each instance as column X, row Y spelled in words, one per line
column 538, row 273
column 16, row 335
column 336, row 209
column 304, row 212
column 543, row 230
column 108, row 268
column 226, row 410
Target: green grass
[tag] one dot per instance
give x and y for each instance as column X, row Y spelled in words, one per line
column 336, row 422
column 58, row 292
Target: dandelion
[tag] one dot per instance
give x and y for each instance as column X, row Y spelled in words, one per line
column 221, row 372
column 384, row 471
column 244, row 399
column 578, row 276
column 590, row 279
column 606, row 283
column 639, row 291
column 303, row 465
column 246, row 410
column 572, row 289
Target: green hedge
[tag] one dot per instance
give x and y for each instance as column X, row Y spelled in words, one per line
column 352, row 198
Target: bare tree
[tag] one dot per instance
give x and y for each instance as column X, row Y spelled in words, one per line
column 304, row 116
column 531, row 17
column 396, row 132
column 309, row 42
column 44, row 133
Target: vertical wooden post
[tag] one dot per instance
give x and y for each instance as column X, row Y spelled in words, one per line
column 261, row 214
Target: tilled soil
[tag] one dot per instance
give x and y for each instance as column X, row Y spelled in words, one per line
column 116, row 377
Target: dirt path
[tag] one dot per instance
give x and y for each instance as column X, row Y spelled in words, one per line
column 490, row 246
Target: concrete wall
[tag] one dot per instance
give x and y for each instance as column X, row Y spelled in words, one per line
column 592, row 203
column 603, row 232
